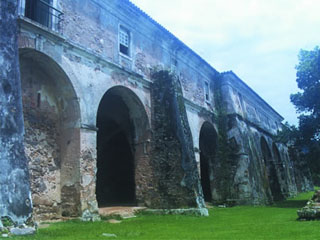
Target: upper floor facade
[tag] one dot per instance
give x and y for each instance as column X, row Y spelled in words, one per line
column 119, row 33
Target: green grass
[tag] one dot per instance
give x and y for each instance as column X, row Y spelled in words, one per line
column 244, row 222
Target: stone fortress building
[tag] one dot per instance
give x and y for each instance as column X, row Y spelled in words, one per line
column 117, row 111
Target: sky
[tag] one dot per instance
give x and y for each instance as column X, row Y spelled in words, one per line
column 259, row 40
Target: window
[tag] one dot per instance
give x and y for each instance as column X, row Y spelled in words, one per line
column 206, row 91
column 124, row 41
column 43, row 12
column 38, row 10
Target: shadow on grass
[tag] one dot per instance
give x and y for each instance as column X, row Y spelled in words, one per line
column 290, row 204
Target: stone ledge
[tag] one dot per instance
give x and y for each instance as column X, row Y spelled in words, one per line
column 180, row 211
column 22, row 231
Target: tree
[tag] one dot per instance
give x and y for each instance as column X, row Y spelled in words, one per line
column 306, row 138
column 307, row 102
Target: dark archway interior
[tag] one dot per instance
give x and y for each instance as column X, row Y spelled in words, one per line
column 115, row 156
column 207, row 146
column 279, row 163
column 271, row 172
column 205, row 178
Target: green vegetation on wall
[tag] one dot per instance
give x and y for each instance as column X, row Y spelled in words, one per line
column 225, row 159
column 173, row 153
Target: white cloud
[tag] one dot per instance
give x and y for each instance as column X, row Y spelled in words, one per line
column 258, row 39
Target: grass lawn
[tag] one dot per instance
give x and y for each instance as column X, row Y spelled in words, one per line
column 272, row 222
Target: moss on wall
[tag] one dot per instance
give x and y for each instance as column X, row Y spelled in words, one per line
column 225, row 161
column 173, row 154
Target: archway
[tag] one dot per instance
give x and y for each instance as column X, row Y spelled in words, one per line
column 270, row 172
column 279, row 164
column 52, row 135
column 123, row 126
column 207, row 144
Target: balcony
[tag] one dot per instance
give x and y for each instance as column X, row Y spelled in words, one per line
column 42, row 12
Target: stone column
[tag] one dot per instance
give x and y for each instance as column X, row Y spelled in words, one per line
column 197, row 156
column 88, row 170
column 15, row 196
column 173, row 155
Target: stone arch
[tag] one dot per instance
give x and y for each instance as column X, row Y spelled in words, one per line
column 270, row 173
column 123, row 169
column 207, row 146
column 280, row 166
column 52, row 135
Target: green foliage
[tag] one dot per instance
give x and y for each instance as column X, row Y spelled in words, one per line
column 4, row 231
column 306, row 138
column 243, row 222
column 7, row 222
column 307, row 102
column 288, row 135
column 308, row 150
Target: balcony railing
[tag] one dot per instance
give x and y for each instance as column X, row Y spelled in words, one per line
column 42, row 12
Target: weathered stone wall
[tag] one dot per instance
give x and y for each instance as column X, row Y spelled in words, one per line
column 52, row 136
column 15, row 197
column 95, row 25
column 197, row 116
column 41, row 120
column 173, row 157
column 251, row 182
column 90, row 77
column 301, row 171
column 74, row 69
column 244, row 102
column 94, row 65
column 260, row 173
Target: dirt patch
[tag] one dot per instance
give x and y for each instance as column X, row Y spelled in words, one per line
column 122, row 211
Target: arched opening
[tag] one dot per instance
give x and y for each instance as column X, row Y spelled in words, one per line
column 122, row 124
column 279, row 164
column 207, row 144
column 270, row 172
column 52, row 136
